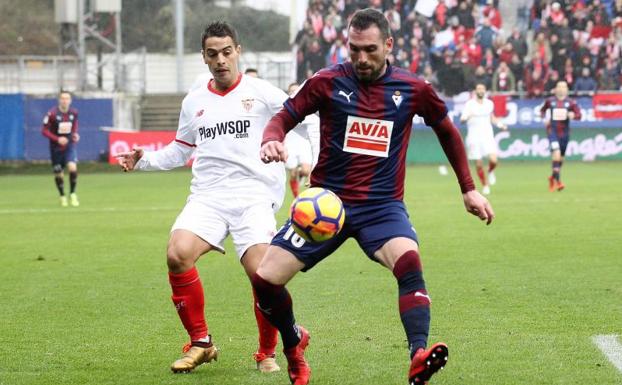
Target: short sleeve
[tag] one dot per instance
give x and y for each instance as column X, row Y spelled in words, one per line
column 429, row 106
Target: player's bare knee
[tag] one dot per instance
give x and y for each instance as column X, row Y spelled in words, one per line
column 395, row 249
column 178, row 257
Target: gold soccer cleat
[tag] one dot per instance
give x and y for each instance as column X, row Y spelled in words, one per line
column 193, row 357
column 266, row 363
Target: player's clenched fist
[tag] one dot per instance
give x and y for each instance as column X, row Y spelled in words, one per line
column 127, row 160
column 273, row 151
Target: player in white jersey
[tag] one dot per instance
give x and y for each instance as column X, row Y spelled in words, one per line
column 303, row 147
column 479, row 116
column 232, row 190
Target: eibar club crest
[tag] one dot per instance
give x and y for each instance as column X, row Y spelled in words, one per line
column 397, row 98
column 248, row 104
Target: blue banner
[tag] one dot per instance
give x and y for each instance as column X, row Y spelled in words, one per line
column 12, row 127
column 525, row 114
column 92, row 114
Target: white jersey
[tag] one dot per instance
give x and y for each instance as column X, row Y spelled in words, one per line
column 201, row 81
column 306, row 134
column 480, row 114
column 224, row 130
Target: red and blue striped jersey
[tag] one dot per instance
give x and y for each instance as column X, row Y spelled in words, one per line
column 558, row 125
column 364, row 129
column 57, row 123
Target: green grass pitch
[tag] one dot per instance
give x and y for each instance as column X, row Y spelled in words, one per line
column 84, row 297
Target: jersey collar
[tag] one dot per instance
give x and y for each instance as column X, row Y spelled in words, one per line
column 225, row 92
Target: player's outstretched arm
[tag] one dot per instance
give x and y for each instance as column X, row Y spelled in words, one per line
column 478, row 205
column 128, row 160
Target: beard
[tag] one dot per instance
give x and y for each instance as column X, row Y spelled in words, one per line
column 368, row 77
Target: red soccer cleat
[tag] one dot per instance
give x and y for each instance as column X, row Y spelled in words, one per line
column 297, row 367
column 427, row 362
column 560, row 186
column 551, row 184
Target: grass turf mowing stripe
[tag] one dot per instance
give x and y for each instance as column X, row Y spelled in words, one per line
column 611, row 348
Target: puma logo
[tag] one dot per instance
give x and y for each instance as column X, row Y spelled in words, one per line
column 347, row 96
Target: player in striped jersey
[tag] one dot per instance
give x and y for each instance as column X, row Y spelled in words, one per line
column 559, row 111
column 60, row 126
column 366, row 108
column 232, row 191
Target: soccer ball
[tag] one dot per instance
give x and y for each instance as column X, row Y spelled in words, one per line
column 317, row 214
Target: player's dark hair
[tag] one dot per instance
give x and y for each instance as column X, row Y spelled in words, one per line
column 250, row 70
column 367, row 17
column 481, row 84
column 64, row 92
column 219, row 29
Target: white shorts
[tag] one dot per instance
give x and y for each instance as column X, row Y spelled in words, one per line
column 479, row 147
column 298, row 151
column 250, row 222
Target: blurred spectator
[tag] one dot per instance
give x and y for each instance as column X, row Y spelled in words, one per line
column 568, row 75
column 315, row 59
column 585, row 82
column 610, row 76
column 556, row 15
column 517, row 39
column 338, row 53
column 464, row 13
column 516, row 66
column 395, row 21
column 598, row 14
column 491, row 13
column 486, row 34
column 474, row 51
column 535, row 83
column 482, row 77
column 329, row 32
column 450, row 76
column 505, row 53
column 503, row 79
column 316, row 18
column 558, row 53
column 441, row 14
column 489, row 61
column 541, row 50
column 551, row 82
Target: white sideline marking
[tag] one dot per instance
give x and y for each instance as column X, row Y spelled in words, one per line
column 78, row 210
column 612, row 349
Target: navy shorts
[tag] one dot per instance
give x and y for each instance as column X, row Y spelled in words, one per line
column 558, row 143
column 63, row 155
column 372, row 225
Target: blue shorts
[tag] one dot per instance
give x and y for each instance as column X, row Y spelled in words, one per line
column 372, row 225
column 558, row 143
column 63, row 155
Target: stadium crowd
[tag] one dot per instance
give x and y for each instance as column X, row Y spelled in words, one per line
column 457, row 43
